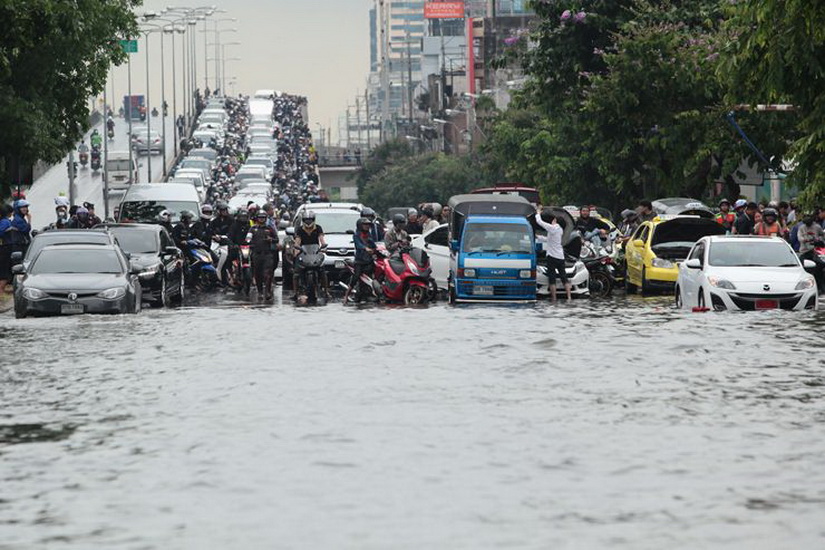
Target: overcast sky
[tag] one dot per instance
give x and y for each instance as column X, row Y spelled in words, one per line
column 317, row 48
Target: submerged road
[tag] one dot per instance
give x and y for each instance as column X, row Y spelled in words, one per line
column 617, row 424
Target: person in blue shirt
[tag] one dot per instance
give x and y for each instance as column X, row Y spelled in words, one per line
column 21, row 227
column 364, row 250
column 5, row 246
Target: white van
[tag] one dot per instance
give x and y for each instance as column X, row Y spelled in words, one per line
column 117, row 170
column 144, row 201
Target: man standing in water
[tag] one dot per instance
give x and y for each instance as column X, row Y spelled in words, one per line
column 555, row 253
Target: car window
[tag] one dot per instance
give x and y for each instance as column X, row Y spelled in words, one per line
column 698, row 253
column 58, row 260
column 437, row 237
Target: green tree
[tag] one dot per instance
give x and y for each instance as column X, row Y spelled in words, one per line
column 54, row 55
column 776, row 56
column 386, row 154
column 432, row 177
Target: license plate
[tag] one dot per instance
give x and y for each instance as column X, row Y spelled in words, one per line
column 339, row 264
column 767, row 304
column 71, row 309
column 482, row 290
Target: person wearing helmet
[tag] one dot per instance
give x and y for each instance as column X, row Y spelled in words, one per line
column 252, row 208
column 376, row 231
column 365, row 249
column 165, row 220
column 397, row 236
column 96, row 140
column 308, row 233
column 183, row 230
column 725, row 217
column 5, row 246
column 263, row 244
column 222, row 223
column 240, row 227
column 413, row 226
column 81, row 219
column 21, row 227
column 93, row 218
column 202, row 228
column 769, row 226
column 746, row 219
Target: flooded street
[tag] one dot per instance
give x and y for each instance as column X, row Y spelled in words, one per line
column 622, row 424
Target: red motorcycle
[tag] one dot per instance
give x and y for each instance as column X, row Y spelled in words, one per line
column 404, row 277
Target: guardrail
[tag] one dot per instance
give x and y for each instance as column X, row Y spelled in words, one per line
column 339, row 160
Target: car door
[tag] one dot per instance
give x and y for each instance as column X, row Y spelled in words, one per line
column 634, row 253
column 689, row 278
column 437, row 247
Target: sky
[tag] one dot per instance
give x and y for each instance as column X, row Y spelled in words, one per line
column 316, row 48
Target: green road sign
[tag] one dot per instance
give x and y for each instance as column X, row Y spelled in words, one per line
column 129, row 46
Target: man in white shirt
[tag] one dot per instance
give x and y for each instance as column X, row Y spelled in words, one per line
column 555, row 253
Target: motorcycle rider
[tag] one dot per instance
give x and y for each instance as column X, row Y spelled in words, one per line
column 810, row 235
column 183, row 231
column 364, row 251
column 165, row 219
column 769, row 226
column 592, row 230
column 81, row 219
column 21, row 228
column 263, row 244
column 397, row 237
column 221, row 226
column 725, row 217
column 96, row 140
column 376, row 231
column 83, row 149
column 93, row 219
column 110, row 125
column 308, row 233
column 203, row 227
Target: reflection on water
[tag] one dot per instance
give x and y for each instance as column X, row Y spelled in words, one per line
column 612, row 424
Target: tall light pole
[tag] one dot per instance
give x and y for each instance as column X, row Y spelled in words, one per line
column 173, row 29
column 223, row 62
column 217, row 58
column 192, row 15
column 205, row 46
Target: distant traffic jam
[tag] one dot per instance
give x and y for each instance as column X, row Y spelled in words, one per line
column 243, row 208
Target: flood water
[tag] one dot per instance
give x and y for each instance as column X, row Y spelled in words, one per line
column 619, row 424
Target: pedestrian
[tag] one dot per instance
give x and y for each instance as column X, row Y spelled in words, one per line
column 426, row 219
column 746, row 220
column 725, row 217
column 21, row 227
column 554, row 253
column 5, row 246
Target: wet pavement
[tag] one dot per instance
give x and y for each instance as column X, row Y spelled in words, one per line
column 598, row 424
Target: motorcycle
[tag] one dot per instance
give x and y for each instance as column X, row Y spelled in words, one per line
column 83, row 156
column 404, row 277
column 202, row 274
column 308, row 266
column 95, row 159
column 111, row 133
column 601, row 267
column 242, row 269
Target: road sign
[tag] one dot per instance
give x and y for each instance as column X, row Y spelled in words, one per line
column 129, row 46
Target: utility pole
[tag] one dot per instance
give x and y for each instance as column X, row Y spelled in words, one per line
column 358, row 116
column 385, row 75
column 105, row 156
column 349, row 136
column 409, row 82
column 369, row 123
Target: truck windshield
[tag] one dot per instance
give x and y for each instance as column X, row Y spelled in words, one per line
column 497, row 237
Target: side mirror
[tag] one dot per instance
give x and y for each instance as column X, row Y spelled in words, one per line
column 134, row 269
column 18, row 269
column 171, row 250
column 290, row 231
column 639, row 243
column 454, row 245
column 694, row 263
column 809, row 264
column 35, row 232
column 128, row 255
column 16, row 257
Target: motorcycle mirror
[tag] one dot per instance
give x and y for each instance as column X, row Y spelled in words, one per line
column 809, row 264
column 172, row 250
column 290, row 231
column 16, row 257
column 18, row 269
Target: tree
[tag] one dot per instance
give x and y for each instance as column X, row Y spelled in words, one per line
column 384, row 155
column 54, row 55
column 432, row 177
column 776, row 56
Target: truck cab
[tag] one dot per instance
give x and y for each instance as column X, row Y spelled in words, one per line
column 492, row 249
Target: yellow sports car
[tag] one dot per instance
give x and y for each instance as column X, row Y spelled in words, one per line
column 657, row 247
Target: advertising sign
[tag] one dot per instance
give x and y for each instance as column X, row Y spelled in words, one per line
column 444, row 10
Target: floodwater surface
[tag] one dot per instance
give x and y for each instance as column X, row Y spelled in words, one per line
column 614, row 424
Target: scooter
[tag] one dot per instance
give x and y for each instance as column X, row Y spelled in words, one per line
column 111, row 133
column 95, row 159
column 308, row 266
column 84, row 158
column 242, row 269
column 202, row 274
column 405, row 277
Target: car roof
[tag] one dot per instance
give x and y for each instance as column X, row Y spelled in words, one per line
column 161, row 191
column 743, row 238
column 335, row 205
column 132, row 226
column 80, row 247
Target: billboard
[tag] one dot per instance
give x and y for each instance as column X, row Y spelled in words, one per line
column 444, row 10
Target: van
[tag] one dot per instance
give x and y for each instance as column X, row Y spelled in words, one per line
column 144, row 201
column 492, row 249
column 194, row 177
column 117, row 170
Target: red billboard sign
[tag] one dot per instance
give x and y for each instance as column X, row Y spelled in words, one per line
column 444, row 10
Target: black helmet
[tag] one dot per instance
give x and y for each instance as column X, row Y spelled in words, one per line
column 770, row 212
column 399, row 219
column 222, row 206
column 187, row 215
column 261, row 215
column 428, row 211
column 368, row 212
column 243, row 213
column 362, row 222
column 308, row 217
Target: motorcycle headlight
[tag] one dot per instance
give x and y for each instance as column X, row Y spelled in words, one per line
column 721, row 283
column 112, row 293
column 34, row 294
column 661, row 263
column 806, row 283
column 470, row 273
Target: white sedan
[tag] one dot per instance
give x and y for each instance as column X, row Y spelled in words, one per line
column 436, row 244
column 745, row 273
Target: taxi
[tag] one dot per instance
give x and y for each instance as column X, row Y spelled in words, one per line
column 658, row 246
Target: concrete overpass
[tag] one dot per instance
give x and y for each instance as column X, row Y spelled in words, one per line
column 337, row 176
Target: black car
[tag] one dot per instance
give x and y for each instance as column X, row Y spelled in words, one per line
column 152, row 250
column 62, row 236
column 75, row 278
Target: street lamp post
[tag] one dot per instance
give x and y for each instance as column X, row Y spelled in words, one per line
column 217, row 58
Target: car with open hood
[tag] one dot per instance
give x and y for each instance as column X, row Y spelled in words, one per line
column 657, row 247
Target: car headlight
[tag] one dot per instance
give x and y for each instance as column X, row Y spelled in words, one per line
column 659, row 262
column 112, row 293
column 721, row 283
column 149, row 273
column 34, row 294
column 525, row 273
column 806, row 283
column 469, row 272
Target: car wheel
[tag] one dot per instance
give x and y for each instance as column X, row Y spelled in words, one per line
column 645, row 285
column 178, row 299
column 678, row 299
column 701, row 301
column 19, row 311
